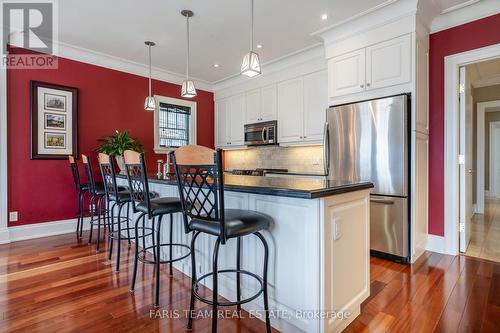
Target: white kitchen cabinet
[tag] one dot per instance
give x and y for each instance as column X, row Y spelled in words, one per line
column 229, row 121
column 315, row 105
column 268, row 103
column 302, row 104
column 253, row 106
column 347, row 73
column 290, row 110
column 377, row 66
column 388, row 63
column 237, row 120
column 260, row 104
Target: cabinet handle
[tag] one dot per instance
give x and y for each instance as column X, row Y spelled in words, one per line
column 305, row 137
column 368, row 84
column 361, row 86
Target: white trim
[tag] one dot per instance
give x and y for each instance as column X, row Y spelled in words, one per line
column 120, row 64
column 3, row 154
column 192, row 121
column 491, row 160
column 488, row 81
column 468, row 12
column 38, row 230
column 482, row 108
column 436, row 244
column 451, row 136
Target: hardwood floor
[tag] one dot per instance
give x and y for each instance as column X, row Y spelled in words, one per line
column 438, row 293
column 56, row 284
column 485, row 232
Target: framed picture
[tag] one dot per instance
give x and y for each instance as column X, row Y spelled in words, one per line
column 54, row 121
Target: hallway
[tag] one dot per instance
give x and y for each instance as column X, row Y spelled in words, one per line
column 485, row 233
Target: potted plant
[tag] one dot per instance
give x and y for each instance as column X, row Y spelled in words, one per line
column 117, row 144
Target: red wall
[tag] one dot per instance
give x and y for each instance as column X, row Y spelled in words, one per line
column 458, row 39
column 43, row 190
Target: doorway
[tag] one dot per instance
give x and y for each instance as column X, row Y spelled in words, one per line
column 479, row 159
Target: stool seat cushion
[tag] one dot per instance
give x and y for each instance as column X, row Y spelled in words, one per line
column 123, row 196
column 160, row 206
column 238, row 223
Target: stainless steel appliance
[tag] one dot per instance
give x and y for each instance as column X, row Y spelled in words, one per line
column 370, row 141
column 260, row 134
column 256, row 172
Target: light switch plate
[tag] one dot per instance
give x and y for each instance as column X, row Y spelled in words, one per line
column 13, row 216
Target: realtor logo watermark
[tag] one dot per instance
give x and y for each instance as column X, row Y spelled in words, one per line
column 29, row 29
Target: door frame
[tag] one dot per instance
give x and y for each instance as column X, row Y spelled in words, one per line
column 492, row 179
column 451, row 139
column 4, row 232
column 482, row 108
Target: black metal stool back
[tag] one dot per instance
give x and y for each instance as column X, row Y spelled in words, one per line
column 89, row 174
column 108, row 176
column 201, row 186
column 135, row 166
column 75, row 173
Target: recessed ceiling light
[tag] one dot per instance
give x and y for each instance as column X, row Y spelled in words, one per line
column 216, row 65
column 259, row 46
column 324, row 17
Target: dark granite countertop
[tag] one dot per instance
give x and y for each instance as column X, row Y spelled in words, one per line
column 286, row 187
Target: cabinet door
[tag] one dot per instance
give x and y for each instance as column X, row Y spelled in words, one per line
column 253, row 106
column 221, row 122
column 315, row 104
column 268, row 103
column 346, row 73
column 388, row 63
column 290, row 110
column 237, row 120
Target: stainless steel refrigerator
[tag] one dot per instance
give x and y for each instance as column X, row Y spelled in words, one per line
column 370, row 141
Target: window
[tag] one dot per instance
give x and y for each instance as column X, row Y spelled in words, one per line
column 175, row 123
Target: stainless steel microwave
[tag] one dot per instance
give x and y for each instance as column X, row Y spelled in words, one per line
column 260, row 134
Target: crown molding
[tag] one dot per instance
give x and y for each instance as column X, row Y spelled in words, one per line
column 116, row 63
column 305, row 55
column 468, row 11
column 486, row 82
column 367, row 20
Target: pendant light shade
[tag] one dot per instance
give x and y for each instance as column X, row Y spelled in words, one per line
column 188, row 90
column 150, row 102
column 251, row 63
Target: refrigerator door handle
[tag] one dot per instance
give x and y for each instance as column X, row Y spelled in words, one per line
column 382, row 201
column 326, row 149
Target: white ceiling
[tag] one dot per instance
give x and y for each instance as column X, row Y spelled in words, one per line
column 219, row 29
column 485, row 73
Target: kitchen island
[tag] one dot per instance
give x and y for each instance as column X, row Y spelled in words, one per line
column 319, row 248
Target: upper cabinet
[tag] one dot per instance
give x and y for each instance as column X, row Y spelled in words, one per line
column 302, row 104
column 388, row 63
column 229, row 121
column 378, row 66
column 347, row 73
column 261, row 104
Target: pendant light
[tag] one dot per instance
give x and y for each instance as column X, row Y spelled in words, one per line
column 188, row 90
column 150, row 102
column 251, row 63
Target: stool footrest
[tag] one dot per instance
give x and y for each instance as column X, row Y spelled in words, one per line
column 114, row 234
column 148, row 261
column 243, row 301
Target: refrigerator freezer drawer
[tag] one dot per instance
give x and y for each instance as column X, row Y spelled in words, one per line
column 389, row 225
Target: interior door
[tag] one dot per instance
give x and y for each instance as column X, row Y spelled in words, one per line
column 465, row 160
column 494, row 159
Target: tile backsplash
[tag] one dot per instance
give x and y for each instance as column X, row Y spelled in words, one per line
column 308, row 159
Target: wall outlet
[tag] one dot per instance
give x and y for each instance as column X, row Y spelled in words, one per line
column 13, row 216
column 337, row 229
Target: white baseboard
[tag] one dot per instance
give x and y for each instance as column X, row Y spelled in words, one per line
column 38, row 230
column 436, row 244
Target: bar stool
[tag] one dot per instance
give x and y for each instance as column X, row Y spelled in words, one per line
column 201, row 188
column 143, row 204
column 116, row 197
column 97, row 196
column 81, row 189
